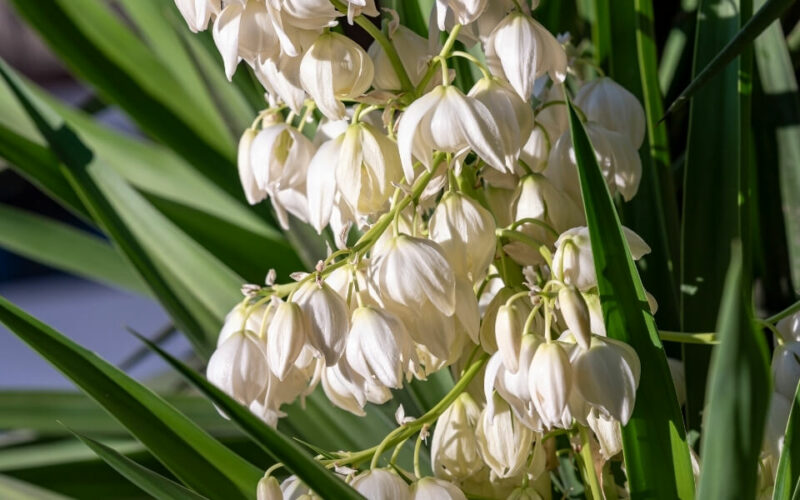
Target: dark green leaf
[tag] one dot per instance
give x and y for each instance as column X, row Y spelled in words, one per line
column 788, row 473
column 654, row 444
column 14, row 489
column 185, row 449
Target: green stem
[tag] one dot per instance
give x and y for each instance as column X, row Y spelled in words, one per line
column 521, row 237
column 785, row 313
column 446, row 48
column 529, row 220
column 688, row 338
column 589, row 474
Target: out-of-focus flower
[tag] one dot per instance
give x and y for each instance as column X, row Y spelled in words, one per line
column 454, row 449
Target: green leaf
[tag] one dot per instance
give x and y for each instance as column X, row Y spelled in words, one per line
column 154, row 484
column 196, row 458
column 654, row 444
column 739, row 41
column 14, row 489
column 738, row 395
column 413, row 14
column 282, row 449
column 60, row 453
column 788, row 473
column 65, row 248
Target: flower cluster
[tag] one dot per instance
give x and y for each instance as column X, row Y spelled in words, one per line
column 459, row 231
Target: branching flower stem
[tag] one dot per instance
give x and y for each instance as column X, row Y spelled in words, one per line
column 587, row 465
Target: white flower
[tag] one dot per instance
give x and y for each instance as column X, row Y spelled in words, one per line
column 503, row 441
column 618, row 160
column 308, row 14
column 294, row 489
column 281, row 79
column 431, row 488
column 411, row 271
column 508, row 332
column 465, row 11
column 288, row 332
column 611, row 105
column 380, row 484
column 297, row 382
column 334, row 68
column 329, row 319
column 454, row 449
column 239, row 366
column 350, row 391
column 446, row 120
column 576, row 314
column 608, row 433
column 777, row 419
column 252, row 191
column 573, row 261
column 367, row 166
column 197, row 13
column 486, row 334
column 521, row 50
column 269, row 489
column 607, row 375
column 536, row 150
column 786, row 368
column 357, row 7
column 789, row 328
column 414, row 53
column 321, row 190
column 378, row 346
column 245, row 31
column 465, row 232
column 514, row 117
column 550, row 380
column 513, row 387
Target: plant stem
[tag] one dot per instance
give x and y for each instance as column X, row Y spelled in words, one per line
column 446, row 48
column 689, row 338
column 587, row 462
column 785, row 313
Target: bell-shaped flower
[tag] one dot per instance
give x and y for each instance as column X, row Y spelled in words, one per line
column 287, row 334
column 378, row 346
column 367, row 166
column 350, row 391
column 521, row 50
column 789, row 328
column 427, row 326
column 298, row 382
column 269, row 489
column 308, row 14
column 239, row 366
column 608, row 434
column 252, row 191
column 514, row 117
column 356, row 8
column 786, row 368
column 503, row 441
column 617, row 157
column 446, row 120
column 197, row 13
column 536, row 150
column 244, row 30
column 575, row 313
column 464, row 11
column 487, row 337
column 454, row 449
column 607, row 375
column 380, row 484
column 550, row 381
column 335, row 68
column 243, row 319
column 295, row 489
column 611, row 105
column 414, row 52
column 514, row 387
column 280, row 77
column 508, row 332
column 552, row 112
column 321, row 190
column 411, row 271
column 467, row 309
column 432, row 488
column 465, row 232
column 329, row 319
column 573, row 261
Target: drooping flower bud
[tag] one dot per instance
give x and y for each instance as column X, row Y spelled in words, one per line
column 607, row 375
column 550, row 380
column 573, row 262
column 197, row 13
column 536, row 150
column 269, row 489
column 465, row 232
column 334, row 68
column 244, row 30
column 465, row 11
column 411, row 271
column 252, row 191
column 288, row 332
column 432, row 488
column 521, row 50
column 454, row 449
column 514, row 388
column 576, row 314
column 329, row 319
column 446, row 120
column 611, row 105
column 508, row 332
column 378, row 346
column 309, row 14
column 239, row 366
column 503, row 441
column 380, row 484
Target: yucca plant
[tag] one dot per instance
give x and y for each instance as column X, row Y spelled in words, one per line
column 459, row 258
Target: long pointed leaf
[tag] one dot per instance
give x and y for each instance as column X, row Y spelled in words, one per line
column 788, row 473
column 14, row 489
column 654, row 444
column 186, row 450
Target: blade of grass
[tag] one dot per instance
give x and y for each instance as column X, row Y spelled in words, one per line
column 738, row 395
column 788, row 473
column 14, row 489
column 196, row 458
column 654, row 443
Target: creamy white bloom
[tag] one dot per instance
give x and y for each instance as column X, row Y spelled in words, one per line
column 414, row 52
column 350, row 391
column 553, row 116
column 611, row 105
column 321, row 189
column 411, row 271
column 503, row 441
column 244, row 31
column 514, row 117
column 777, row 419
column 378, row 346
column 536, row 150
column 367, row 166
column 521, row 50
column 288, row 332
column 617, row 157
column 252, row 191
column 335, row 68
column 607, row 375
column 576, row 314
column 356, row 8
column 308, row 14
column 513, row 387
column 431, row 488
column 487, row 338
column 446, row 120
column 269, row 489
column 465, row 11
column 573, row 262
column 789, row 328
column 550, row 380
column 239, row 366
column 465, row 232
column 280, row 77
column 786, row 368
column 197, row 13
column 329, row 319
column 608, row 433
column 454, row 449
column 380, row 484
column 508, row 333
column 240, row 319
column 294, row 489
